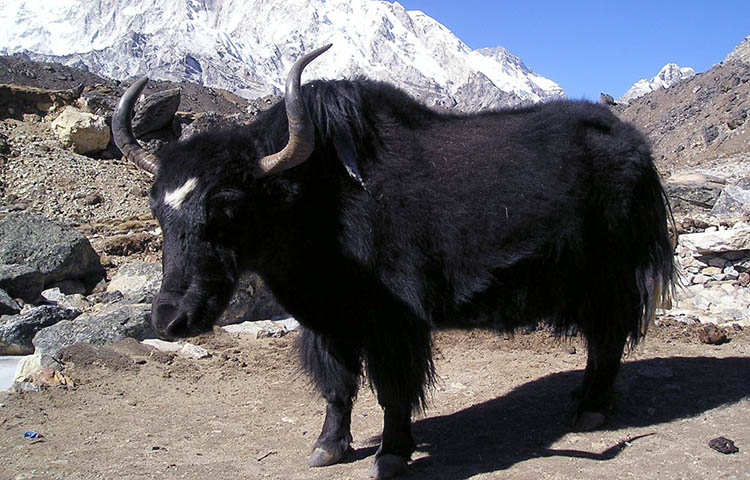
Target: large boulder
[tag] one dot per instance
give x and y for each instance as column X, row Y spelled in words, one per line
column 17, row 332
column 64, row 256
column 688, row 191
column 109, row 325
column 734, row 200
column 139, row 282
column 82, row 131
column 21, row 281
column 720, row 241
column 156, row 111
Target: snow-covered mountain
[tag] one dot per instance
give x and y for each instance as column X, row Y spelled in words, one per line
column 247, row 46
column 669, row 74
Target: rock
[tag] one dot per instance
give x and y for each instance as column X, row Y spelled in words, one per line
column 251, row 301
column 289, row 323
column 83, row 132
column 105, row 297
column 734, row 199
column 260, row 329
column 717, row 241
column 17, row 332
column 109, row 325
column 26, row 366
column 75, row 301
column 687, row 191
column 8, row 306
column 711, row 271
column 155, row 111
column 607, row 99
column 723, row 445
column 744, row 279
column 712, row 335
column 139, row 282
column 194, row 351
column 21, row 281
column 710, row 133
column 60, row 253
column 163, row 346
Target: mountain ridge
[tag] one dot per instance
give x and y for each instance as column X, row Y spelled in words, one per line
column 246, row 46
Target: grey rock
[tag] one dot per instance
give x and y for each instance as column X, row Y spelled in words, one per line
column 75, row 301
column 710, row 133
column 17, row 332
column 260, row 329
column 252, row 300
column 734, row 199
column 60, row 253
column 156, row 111
column 107, row 326
column 105, row 297
column 687, row 191
column 138, row 282
column 21, row 281
column 8, row 306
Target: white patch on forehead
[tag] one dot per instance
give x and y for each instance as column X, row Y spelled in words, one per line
column 175, row 198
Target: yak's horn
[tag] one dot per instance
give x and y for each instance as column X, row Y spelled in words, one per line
column 301, row 130
column 122, row 129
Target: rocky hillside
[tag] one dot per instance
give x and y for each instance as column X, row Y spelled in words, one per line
column 701, row 123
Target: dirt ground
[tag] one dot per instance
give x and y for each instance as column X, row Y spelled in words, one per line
column 498, row 411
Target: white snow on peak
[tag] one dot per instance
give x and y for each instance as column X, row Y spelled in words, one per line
column 669, row 74
column 247, row 46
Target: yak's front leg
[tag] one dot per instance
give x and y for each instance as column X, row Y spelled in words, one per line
column 335, row 366
column 399, row 363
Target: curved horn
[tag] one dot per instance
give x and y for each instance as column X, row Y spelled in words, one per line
column 301, row 130
column 122, row 129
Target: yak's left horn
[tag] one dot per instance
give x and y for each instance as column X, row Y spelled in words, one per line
column 122, row 129
column 301, row 130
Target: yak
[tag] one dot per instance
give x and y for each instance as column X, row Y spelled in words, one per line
column 375, row 219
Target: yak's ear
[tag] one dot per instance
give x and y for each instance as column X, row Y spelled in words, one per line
column 344, row 144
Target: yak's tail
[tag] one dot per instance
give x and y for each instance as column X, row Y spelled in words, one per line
column 655, row 239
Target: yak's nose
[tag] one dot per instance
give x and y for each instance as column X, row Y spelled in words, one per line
column 169, row 321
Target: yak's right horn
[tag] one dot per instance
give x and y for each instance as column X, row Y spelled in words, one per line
column 122, row 129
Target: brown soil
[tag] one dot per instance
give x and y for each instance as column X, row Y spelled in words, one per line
column 498, row 411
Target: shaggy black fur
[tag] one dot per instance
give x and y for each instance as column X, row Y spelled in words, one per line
column 552, row 212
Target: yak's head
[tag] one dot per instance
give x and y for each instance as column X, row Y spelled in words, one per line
column 204, row 209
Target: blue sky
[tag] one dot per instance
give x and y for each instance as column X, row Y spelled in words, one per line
column 589, row 46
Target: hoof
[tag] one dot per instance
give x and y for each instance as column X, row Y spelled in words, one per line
column 587, row 421
column 322, row 458
column 388, row 466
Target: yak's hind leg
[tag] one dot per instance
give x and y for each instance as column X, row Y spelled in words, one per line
column 335, row 367
column 606, row 337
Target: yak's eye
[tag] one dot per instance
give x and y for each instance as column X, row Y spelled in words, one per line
column 225, row 212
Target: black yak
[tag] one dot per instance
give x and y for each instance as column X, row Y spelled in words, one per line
column 375, row 219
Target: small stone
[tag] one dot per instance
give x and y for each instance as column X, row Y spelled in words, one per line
column 194, row 351
column 701, row 279
column 723, row 445
column 744, row 279
column 709, row 271
column 93, row 199
column 572, row 350
column 261, row 329
column 712, row 335
column 162, row 345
